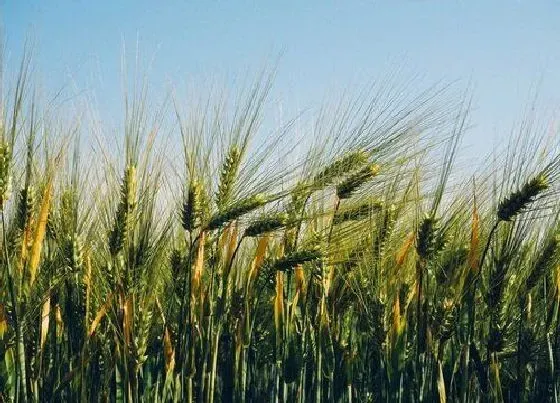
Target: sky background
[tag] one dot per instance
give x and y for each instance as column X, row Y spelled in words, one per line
column 505, row 48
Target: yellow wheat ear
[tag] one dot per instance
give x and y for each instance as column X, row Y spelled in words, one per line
column 3, row 321
column 258, row 259
column 100, row 314
column 232, row 243
column 299, row 278
column 402, row 253
column 40, row 230
column 396, row 328
column 475, row 240
column 45, row 314
column 168, row 352
column 198, row 265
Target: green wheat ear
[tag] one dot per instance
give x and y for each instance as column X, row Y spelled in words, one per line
column 123, row 218
column 356, row 213
column 426, row 237
column 73, row 251
column 5, row 173
column 228, row 174
column 450, row 264
column 237, row 210
column 267, row 224
column 545, row 262
column 296, row 258
column 26, row 203
column 341, row 166
column 352, row 183
column 519, row 200
column 192, row 206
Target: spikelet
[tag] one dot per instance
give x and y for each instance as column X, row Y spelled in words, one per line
column 426, row 237
column 5, row 172
column 129, row 187
column 269, row 267
column 192, row 206
column 357, row 213
column 176, row 262
column 443, row 322
column 77, row 255
column 26, row 203
column 228, row 175
column 268, row 224
column 450, row 263
column 24, row 222
column 496, row 284
column 205, row 205
column 341, row 166
column 237, row 210
column 387, row 225
column 545, row 262
column 141, row 330
column 123, row 218
column 51, row 227
column 519, row 200
column 68, row 202
column 294, row 259
column 87, row 280
column 299, row 196
column 354, row 181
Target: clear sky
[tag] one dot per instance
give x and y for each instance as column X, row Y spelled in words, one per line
column 504, row 47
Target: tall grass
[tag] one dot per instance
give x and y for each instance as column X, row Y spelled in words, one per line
column 361, row 269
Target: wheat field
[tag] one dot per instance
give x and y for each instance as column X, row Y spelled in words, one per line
column 361, row 266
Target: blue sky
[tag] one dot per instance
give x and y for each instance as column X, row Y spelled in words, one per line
column 504, row 47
